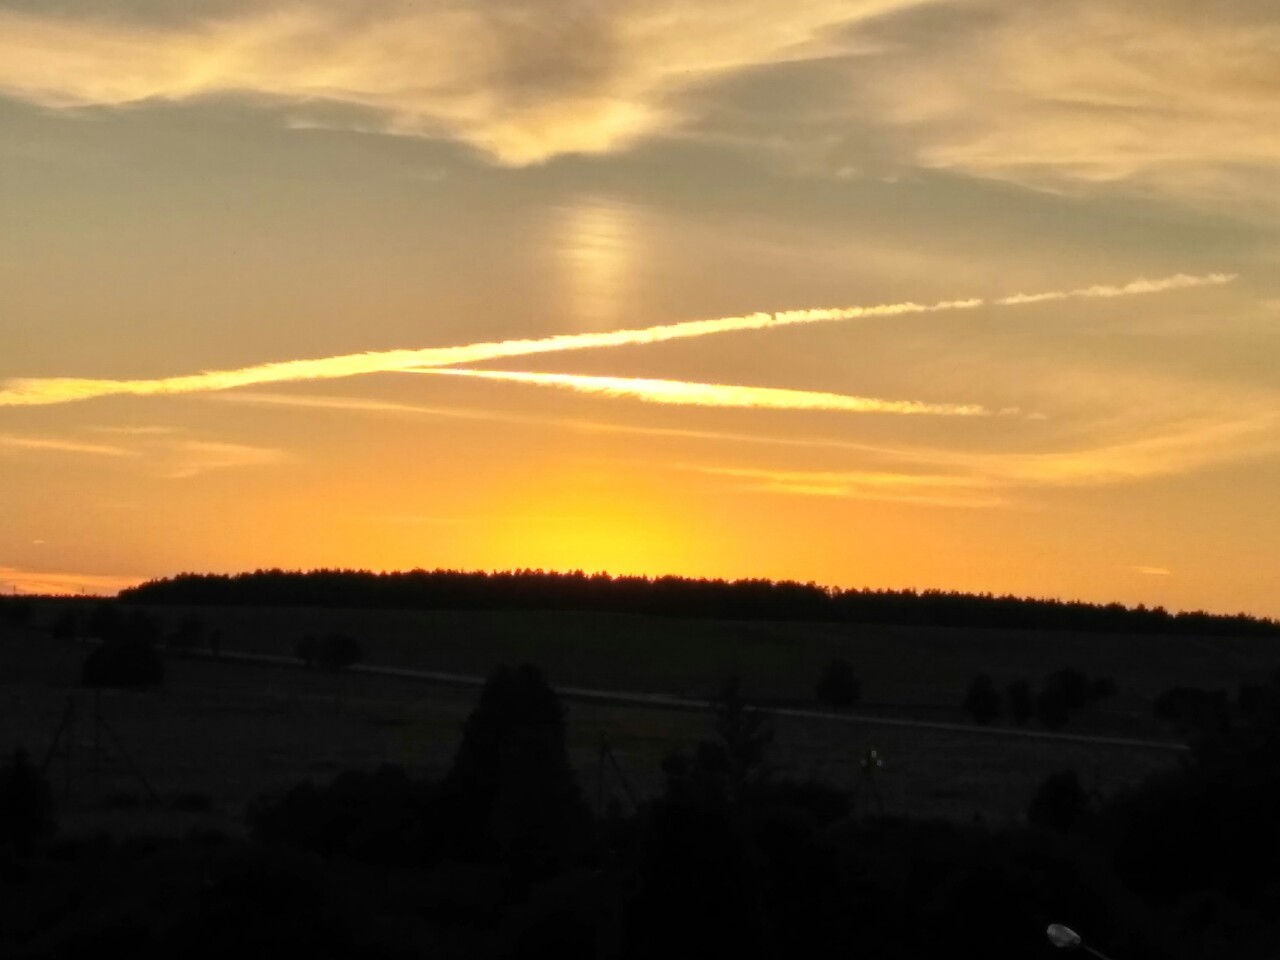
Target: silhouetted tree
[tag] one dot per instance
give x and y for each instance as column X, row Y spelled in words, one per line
column 512, row 793
column 838, row 687
column 745, row 732
column 1021, row 704
column 26, row 805
column 718, row 771
column 982, row 701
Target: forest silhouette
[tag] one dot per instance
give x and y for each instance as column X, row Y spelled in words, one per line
column 755, row 599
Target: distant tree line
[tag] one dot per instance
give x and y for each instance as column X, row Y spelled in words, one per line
column 1063, row 693
column 676, row 597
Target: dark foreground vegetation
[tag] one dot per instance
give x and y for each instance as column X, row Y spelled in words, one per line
column 675, row 597
column 503, row 856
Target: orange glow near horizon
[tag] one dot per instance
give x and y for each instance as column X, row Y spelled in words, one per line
column 816, row 291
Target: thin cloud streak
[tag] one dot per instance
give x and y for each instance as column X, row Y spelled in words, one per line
column 194, row 457
column 976, row 479
column 54, row 445
column 686, row 393
column 906, row 488
column 361, row 405
column 53, row 390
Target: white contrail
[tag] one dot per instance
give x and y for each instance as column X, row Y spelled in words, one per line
column 683, row 392
column 51, row 390
column 1179, row 281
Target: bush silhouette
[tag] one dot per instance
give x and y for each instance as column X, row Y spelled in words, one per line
column 380, row 818
column 982, row 701
column 26, row 805
column 838, row 687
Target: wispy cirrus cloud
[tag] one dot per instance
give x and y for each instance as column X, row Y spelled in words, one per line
column 520, row 82
column 53, row 390
column 1168, row 96
column 190, row 458
column 63, row 445
column 983, row 478
column 686, row 393
column 173, row 457
column 360, row 405
column 144, row 430
column 922, row 489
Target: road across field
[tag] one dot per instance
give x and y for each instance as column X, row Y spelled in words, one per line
column 662, row 701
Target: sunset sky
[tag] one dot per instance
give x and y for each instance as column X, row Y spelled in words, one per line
column 968, row 294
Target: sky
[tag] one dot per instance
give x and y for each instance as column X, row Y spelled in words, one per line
column 974, row 295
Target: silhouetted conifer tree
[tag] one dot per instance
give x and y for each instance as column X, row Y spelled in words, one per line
column 513, row 793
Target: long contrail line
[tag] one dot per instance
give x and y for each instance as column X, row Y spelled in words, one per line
column 52, row 390
column 686, row 393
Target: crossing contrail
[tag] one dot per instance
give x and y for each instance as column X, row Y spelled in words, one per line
column 686, row 393
column 38, row 391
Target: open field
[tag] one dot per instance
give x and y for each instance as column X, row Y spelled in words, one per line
column 230, row 732
column 917, row 672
